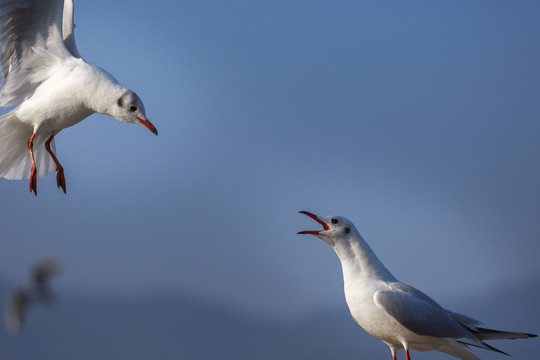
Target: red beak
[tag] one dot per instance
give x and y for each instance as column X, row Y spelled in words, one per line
column 148, row 125
column 314, row 217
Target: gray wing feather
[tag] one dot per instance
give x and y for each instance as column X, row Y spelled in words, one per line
column 418, row 312
column 67, row 29
column 422, row 315
column 465, row 320
column 28, row 30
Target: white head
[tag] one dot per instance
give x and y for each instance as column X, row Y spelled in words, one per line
column 352, row 250
column 334, row 228
column 129, row 108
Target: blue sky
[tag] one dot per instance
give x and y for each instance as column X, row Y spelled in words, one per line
column 417, row 120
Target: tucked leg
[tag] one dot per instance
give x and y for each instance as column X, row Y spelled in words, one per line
column 60, row 179
column 33, row 173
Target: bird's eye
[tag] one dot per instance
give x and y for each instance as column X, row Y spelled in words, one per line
column 335, row 221
column 133, row 108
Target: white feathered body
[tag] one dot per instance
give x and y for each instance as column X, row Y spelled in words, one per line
column 365, row 279
column 69, row 81
column 396, row 313
column 360, row 296
column 64, row 85
column 52, row 86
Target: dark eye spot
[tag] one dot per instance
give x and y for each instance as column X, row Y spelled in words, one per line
column 133, row 108
column 335, row 221
column 120, row 102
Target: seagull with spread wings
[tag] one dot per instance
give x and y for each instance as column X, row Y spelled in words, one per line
column 52, row 87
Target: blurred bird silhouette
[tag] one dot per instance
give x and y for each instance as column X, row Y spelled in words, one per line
column 38, row 292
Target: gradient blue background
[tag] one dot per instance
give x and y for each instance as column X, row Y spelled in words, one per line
column 417, row 120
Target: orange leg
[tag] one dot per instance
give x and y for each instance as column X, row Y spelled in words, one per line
column 60, row 179
column 407, row 354
column 33, row 173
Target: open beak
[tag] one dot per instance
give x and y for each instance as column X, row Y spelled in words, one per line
column 148, row 125
column 314, row 217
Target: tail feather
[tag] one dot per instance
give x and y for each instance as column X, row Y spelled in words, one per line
column 459, row 350
column 482, row 333
column 15, row 163
column 478, row 343
column 485, row 333
column 490, row 334
column 486, row 346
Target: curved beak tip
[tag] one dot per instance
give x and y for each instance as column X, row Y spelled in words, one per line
column 148, row 125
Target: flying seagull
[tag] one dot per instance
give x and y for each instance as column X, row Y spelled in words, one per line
column 21, row 297
column 52, row 87
column 396, row 313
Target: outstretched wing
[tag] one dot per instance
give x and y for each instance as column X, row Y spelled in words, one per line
column 30, row 31
column 16, row 305
column 67, row 29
